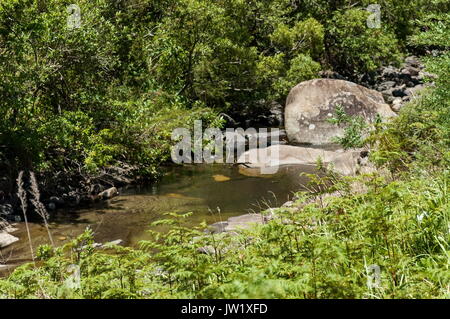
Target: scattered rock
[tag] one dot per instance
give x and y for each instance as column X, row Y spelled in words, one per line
column 6, row 210
column 243, row 222
column 413, row 61
column 390, row 73
column 328, row 74
column 386, row 85
column 411, row 71
column 6, row 227
column 399, row 91
column 400, row 83
column 109, row 193
column 414, row 92
column 216, row 228
column 397, row 104
column 72, row 199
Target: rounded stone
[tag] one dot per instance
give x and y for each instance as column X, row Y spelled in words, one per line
column 309, row 104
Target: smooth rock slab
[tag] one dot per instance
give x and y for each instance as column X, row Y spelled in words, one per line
column 7, row 239
column 267, row 160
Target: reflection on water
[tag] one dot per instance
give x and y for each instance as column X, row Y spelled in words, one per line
column 211, row 192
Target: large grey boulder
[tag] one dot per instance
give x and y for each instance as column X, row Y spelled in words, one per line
column 310, row 104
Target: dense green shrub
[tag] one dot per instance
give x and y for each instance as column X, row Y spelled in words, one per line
column 421, row 133
column 355, row 48
column 74, row 97
column 302, row 68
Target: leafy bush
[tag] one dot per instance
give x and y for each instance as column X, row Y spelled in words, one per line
column 304, row 37
column 355, row 129
column 355, row 48
column 302, row 68
column 62, row 96
column 175, row 54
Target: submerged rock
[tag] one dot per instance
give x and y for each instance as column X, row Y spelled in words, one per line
column 221, row 178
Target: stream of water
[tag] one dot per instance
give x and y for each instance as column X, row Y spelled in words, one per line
column 211, row 192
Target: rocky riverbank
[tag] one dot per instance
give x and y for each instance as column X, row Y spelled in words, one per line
column 398, row 85
column 68, row 190
column 309, row 106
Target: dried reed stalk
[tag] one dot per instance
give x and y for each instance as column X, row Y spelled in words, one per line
column 23, row 201
column 40, row 208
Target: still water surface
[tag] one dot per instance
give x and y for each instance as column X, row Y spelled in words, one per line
column 211, row 192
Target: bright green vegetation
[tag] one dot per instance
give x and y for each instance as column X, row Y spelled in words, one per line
column 355, row 127
column 321, row 248
column 113, row 89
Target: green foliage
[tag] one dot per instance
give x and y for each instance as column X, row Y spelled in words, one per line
column 420, row 135
column 96, row 95
column 77, row 97
column 302, row 68
column 437, row 33
column 355, row 48
column 304, row 37
column 355, row 129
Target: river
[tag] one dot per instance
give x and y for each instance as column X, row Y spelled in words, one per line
column 211, row 192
